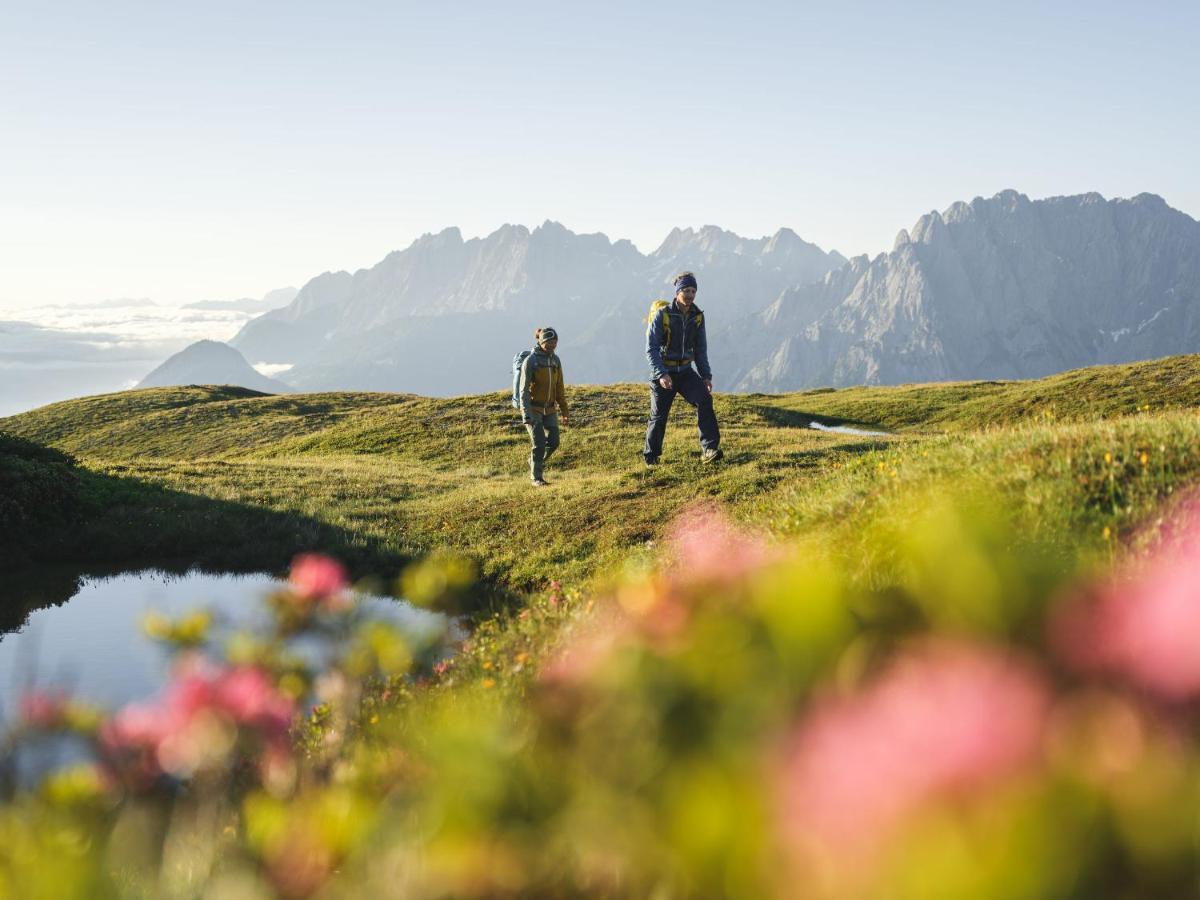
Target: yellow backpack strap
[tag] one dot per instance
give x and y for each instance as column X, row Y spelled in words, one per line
column 661, row 308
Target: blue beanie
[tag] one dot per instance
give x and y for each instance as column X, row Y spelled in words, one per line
column 686, row 280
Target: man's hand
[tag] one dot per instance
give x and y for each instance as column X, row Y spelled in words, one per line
column 666, row 382
column 564, row 417
column 708, row 384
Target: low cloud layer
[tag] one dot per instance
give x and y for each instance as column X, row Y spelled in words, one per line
column 53, row 353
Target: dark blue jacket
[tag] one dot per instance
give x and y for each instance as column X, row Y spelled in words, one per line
column 688, row 344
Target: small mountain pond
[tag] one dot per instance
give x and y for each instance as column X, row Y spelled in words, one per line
column 92, row 646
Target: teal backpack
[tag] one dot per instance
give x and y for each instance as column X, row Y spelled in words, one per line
column 518, row 361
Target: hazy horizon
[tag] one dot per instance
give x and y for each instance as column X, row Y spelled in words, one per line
column 198, row 153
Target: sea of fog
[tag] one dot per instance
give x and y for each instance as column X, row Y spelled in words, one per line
column 55, row 352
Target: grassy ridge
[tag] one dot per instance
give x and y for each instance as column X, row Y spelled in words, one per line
column 1097, row 392
column 409, row 475
column 380, row 478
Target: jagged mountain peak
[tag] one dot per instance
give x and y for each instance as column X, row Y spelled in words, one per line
column 1010, row 198
column 449, row 235
column 958, row 212
column 928, row 228
column 1152, row 201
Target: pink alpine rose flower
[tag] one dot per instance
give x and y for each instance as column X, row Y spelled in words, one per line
column 706, row 546
column 43, row 710
column 944, row 719
column 1144, row 624
column 194, row 724
column 318, row 577
column 251, row 699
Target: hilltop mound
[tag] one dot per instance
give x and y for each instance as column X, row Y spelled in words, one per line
column 211, row 362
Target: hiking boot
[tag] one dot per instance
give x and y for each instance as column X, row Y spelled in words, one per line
column 712, row 454
column 540, row 482
column 650, row 461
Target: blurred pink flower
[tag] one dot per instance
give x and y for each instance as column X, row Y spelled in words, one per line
column 704, row 545
column 163, row 734
column 130, row 740
column 315, row 576
column 944, row 718
column 251, row 699
column 585, row 653
column 1144, row 624
column 44, row 710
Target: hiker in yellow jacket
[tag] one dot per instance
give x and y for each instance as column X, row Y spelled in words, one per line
column 541, row 390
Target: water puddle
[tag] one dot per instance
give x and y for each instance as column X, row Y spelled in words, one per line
column 93, row 648
column 846, row 429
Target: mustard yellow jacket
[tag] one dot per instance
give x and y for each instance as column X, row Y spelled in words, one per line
column 541, row 386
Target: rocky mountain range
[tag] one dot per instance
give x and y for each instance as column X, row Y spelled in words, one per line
column 997, row 288
column 446, row 315
column 1002, row 287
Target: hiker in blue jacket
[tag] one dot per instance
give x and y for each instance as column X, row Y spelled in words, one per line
column 675, row 339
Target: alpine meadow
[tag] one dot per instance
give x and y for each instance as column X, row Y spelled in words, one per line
column 547, row 451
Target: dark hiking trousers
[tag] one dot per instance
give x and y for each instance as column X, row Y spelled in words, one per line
column 691, row 387
column 543, row 436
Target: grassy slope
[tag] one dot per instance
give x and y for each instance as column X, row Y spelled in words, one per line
column 1098, row 392
column 387, row 476
column 414, row 474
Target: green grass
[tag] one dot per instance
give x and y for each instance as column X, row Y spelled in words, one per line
column 229, row 477
column 405, row 475
column 1098, row 392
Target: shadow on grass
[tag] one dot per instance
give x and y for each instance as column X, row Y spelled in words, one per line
column 122, row 524
column 817, row 457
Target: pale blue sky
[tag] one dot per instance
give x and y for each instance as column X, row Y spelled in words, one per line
column 223, row 149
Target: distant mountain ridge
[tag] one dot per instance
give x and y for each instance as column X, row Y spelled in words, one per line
column 444, row 315
column 1005, row 287
column 1002, row 287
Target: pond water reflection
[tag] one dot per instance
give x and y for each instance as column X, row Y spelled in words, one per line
column 93, row 647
